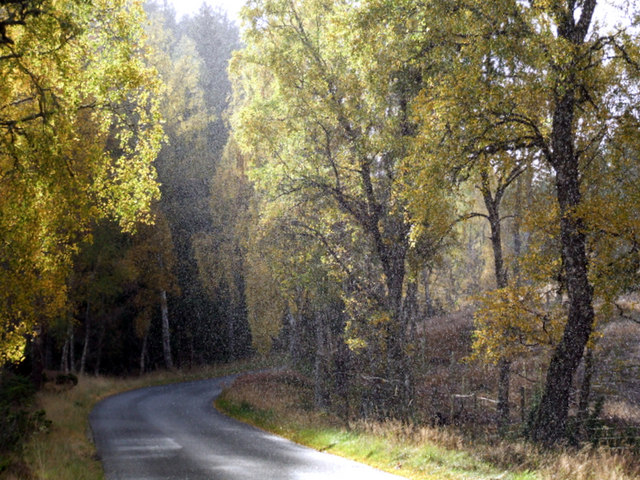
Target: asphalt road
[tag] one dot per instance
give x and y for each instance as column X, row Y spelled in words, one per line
column 174, row 432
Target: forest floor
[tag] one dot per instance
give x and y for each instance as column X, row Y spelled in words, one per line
column 65, row 451
column 282, row 402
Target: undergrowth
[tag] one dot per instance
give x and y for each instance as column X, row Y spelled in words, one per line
column 273, row 402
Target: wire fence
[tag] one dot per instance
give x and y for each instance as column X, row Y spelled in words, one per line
column 590, row 429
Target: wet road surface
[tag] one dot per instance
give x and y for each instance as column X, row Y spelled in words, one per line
column 174, row 432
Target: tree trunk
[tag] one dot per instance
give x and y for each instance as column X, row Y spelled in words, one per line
column 492, row 204
column 143, row 352
column 342, row 372
column 37, row 357
column 320, row 391
column 429, row 307
column 390, row 239
column 504, row 381
column 166, row 335
column 293, row 339
column 64, row 357
column 72, row 349
column 517, row 234
column 399, row 386
column 551, row 418
column 96, row 371
column 85, row 346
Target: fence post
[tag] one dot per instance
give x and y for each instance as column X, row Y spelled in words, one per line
column 451, row 409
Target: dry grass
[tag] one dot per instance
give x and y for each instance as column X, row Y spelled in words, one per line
column 518, row 456
column 66, row 452
column 280, row 391
column 280, row 402
column 622, row 410
column 463, row 425
column 589, row 464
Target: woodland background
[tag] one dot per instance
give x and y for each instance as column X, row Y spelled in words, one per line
column 424, row 205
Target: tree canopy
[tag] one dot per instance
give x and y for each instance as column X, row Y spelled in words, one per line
column 79, row 129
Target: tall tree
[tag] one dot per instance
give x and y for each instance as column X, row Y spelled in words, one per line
column 493, row 186
column 325, row 137
column 558, row 88
column 78, row 133
column 221, row 253
column 193, row 59
column 151, row 259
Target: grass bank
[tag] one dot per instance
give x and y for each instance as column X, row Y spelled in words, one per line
column 281, row 402
column 65, row 451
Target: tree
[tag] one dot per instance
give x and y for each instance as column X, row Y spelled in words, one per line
column 78, row 133
column 192, row 59
column 325, row 137
column 493, row 185
column 98, row 285
column 151, row 260
column 221, row 253
column 540, row 78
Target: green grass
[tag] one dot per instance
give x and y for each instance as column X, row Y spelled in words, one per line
column 277, row 405
column 406, row 459
column 383, row 449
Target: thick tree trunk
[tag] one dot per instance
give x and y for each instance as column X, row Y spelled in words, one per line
column 166, row 335
column 398, row 388
column 551, row 418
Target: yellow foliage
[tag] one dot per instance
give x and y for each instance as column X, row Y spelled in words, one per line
column 512, row 320
column 79, row 129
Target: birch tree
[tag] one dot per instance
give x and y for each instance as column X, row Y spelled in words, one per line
column 78, row 134
column 542, row 77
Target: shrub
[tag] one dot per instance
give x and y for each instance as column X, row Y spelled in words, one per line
column 18, row 420
column 66, row 379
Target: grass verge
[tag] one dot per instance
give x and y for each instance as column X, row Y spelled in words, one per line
column 281, row 402
column 66, row 451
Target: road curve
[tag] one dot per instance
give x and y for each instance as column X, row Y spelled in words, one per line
column 173, row 432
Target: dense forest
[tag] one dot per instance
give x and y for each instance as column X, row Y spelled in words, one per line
column 417, row 203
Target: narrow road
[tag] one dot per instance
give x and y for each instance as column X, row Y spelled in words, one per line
column 174, row 432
